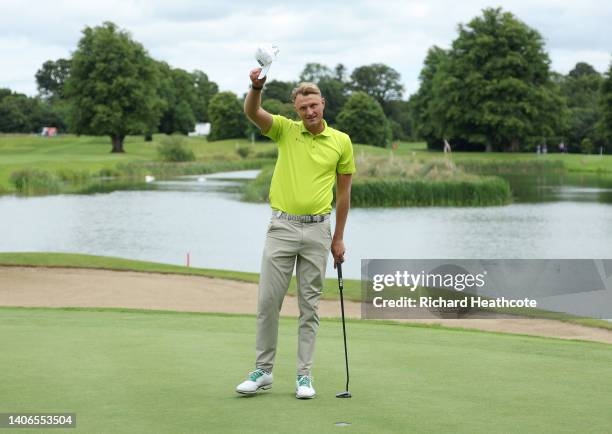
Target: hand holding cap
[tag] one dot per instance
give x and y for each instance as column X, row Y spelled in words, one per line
column 265, row 55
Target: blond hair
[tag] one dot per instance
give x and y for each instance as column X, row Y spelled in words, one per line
column 305, row 88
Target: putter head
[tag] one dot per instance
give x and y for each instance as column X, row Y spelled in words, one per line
column 346, row 394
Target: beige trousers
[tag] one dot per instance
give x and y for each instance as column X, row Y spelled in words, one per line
column 289, row 244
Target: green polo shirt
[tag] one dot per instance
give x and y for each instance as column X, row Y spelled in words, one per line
column 306, row 167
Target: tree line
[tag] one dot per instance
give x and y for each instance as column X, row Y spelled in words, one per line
column 493, row 90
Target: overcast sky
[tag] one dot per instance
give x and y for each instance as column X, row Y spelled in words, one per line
column 220, row 38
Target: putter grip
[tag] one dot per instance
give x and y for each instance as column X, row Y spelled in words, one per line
column 339, row 267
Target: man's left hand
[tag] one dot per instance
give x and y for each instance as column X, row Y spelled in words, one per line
column 337, row 249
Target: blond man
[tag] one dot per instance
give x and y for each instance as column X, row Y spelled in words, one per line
column 311, row 158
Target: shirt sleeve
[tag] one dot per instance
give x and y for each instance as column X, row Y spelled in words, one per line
column 280, row 125
column 346, row 163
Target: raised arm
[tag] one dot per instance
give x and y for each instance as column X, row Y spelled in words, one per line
column 252, row 103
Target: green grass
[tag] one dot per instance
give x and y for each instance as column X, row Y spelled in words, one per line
column 92, row 154
column 142, row 372
column 571, row 162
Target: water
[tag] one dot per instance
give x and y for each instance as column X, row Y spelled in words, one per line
column 193, row 214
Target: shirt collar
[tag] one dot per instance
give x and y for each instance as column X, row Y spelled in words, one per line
column 326, row 132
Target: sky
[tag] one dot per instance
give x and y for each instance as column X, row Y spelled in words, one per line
column 220, row 38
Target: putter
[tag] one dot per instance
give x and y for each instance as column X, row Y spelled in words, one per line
column 346, row 393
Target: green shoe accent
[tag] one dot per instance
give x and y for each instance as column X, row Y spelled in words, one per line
column 253, row 376
column 304, row 380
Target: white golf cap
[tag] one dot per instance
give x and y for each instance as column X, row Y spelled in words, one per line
column 265, row 55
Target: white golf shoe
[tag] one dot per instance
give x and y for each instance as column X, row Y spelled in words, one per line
column 304, row 389
column 258, row 379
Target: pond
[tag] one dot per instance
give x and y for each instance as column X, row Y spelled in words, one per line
column 197, row 215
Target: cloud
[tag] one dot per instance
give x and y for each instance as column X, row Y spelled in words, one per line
column 220, row 38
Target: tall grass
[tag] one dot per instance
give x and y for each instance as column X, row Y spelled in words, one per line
column 258, row 189
column 166, row 170
column 485, row 191
column 493, row 167
column 392, row 181
column 33, row 182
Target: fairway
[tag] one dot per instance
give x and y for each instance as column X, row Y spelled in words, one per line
column 139, row 371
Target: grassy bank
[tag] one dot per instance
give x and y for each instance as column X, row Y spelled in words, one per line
column 138, row 371
column 70, row 164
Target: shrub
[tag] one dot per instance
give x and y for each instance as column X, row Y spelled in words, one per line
column 244, row 151
column 586, row 146
column 174, row 149
column 272, row 153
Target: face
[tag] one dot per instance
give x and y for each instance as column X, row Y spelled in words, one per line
column 310, row 109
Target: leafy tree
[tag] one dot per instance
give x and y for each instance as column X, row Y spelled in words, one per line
column 423, row 104
column 379, row 81
column 177, row 91
column 340, row 73
column 581, row 91
column 227, row 119
column 582, row 69
column 112, row 85
column 204, row 91
column 399, row 113
column 495, row 90
column 279, row 90
column 605, row 103
column 15, row 112
column 277, row 107
column 315, row 72
column 23, row 114
column 335, row 94
column 51, row 78
column 363, row 119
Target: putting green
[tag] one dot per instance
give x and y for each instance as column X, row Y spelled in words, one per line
column 138, row 371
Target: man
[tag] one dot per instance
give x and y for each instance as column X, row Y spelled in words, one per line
column 311, row 157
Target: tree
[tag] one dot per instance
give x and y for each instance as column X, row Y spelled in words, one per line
column 15, row 112
column 335, row 94
column 340, row 73
column 112, row 85
column 279, row 90
column 177, row 90
column 204, row 91
column 50, row 78
column 363, row 119
column 399, row 113
column 581, row 91
column 379, row 81
column 315, row 72
column 227, row 120
column 427, row 128
column 495, row 90
column 605, row 103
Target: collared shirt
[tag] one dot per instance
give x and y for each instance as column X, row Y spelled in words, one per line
column 307, row 164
